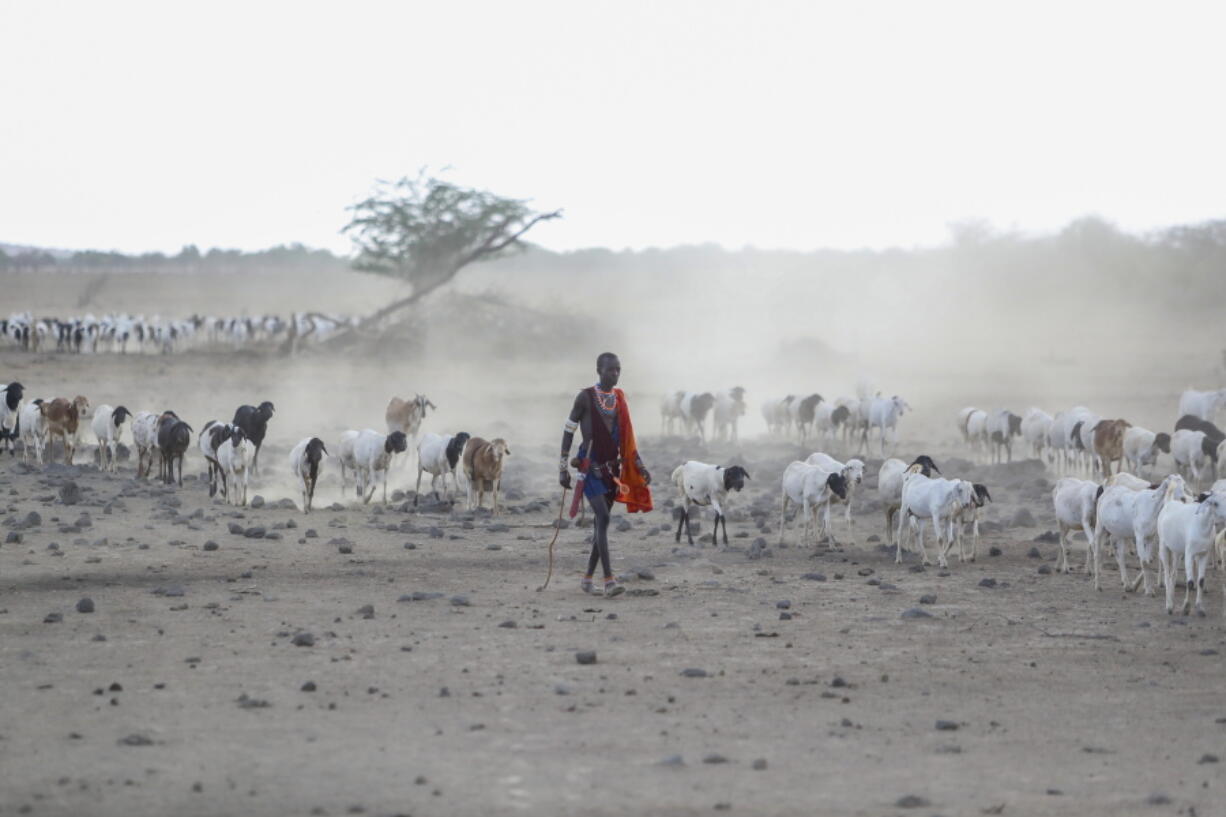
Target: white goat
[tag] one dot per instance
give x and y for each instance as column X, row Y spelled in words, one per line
column 889, row 487
column 969, row 515
column 373, row 452
column 108, row 428
column 1194, row 452
column 1036, row 424
column 777, row 415
column 1075, row 501
column 811, row 487
column 883, row 413
column 1188, row 530
column 211, row 438
column 1003, row 425
column 1202, row 404
column 694, row 408
column 729, row 407
column 852, row 471
column 306, row 462
column 670, row 412
column 937, row 499
column 145, row 438
column 438, row 456
column 234, row 456
column 344, row 455
column 33, row 430
column 701, row 484
column 973, row 425
column 1123, row 514
column 10, row 404
column 1142, row 446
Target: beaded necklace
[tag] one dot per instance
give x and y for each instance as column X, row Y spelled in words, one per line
column 607, row 406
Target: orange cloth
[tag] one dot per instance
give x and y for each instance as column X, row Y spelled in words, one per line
column 634, row 490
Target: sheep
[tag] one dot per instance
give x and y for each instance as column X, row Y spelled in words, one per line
column 803, row 413
column 1076, row 503
column 854, row 422
column 10, row 405
column 1036, row 424
column 1188, row 529
column 145, row 438
column 63, row 420
column 1122, row 514
column 439, row 456
column 32, row 428
column 212, row 435
column 254, row 423
column 694, row 409
column 344, row 455
column 1194, row 451
column 1002, row 426
column 670, row 412
column 108, row 428
column 235, row 456
column 729, row 407
column 883, row 413
column 373, row 452
column 1108, row 443
column 852, row 471
column 889, row 486
column 1202, row 404
column 1071, row 423
column 968, row 514
column 932, row 498
column 1058, row 441
column 1142, row 446
column 811, row 487
column 483, row 466
column 406, row 416
column 701, row 484
column 174, row 438
column 1083, row 441
column 306, row 461
column 777, row 414
column 828, row 419
column 973, row 425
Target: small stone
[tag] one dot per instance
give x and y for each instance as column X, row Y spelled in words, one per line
column 994, row 551
column 255, row 532
column 309, row 686
column 693, row 672
column 257, row 501
column 915, row 612
column 310, row 533
column 85, row 605
column 1208, row 758
column 135, row 740
column 303, row 639
column 460, row 601
column 236, row 529
column 70, row 493
column 672, row 761
column 838, row 681
column 947, row 726
column 210, row 545
column 1044, row 570
column 759, row 764
column 1047, row 538
column 714, row 758
column 346, row 548
column 928, row 598
column 814, row 577
column 987, row 582
column 911, row 801
column 783, row 605
column 1023, row 518
column 785, row 616
column 366, row 611
column 53, row 618
column 509, row 624
column 1034, row 553
column 13, row 538
column 586, row 657
column 645, row 574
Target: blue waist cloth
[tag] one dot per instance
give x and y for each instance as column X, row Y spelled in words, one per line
column 597, row 485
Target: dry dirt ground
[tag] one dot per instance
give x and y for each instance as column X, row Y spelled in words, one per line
column 749, row 679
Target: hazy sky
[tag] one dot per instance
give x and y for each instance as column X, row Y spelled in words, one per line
column 146, row 126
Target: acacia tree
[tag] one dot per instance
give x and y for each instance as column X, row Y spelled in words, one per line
column 424, row 230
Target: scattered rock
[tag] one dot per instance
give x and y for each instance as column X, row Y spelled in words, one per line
column 915, row 612
column 714, row 758
column 13, row 538
column 245, row 702
column 987, row 582
column 928, row 598
column 1047, row 538
column 994, row 551
column 309, row 686
column 783, row 605
column 814, row 577
column 911, row 801
column 257, row 501
column 236, row 529
column 53, row 618
column 586, row 657
column 255, row 532
column 509, row 624
column 85, row 605
column 1044, row 569
column 947, row 726
column 759, row 764
column 366, row 611
column 1034, row 553
column 693, row 672
column 671, row 761
column 460, row 601
column 1208, row 758
column 1023, row 518
column 303, row 639
column 70, row 493
column 135, row 740
column 210, row 545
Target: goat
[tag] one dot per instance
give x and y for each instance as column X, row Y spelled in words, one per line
column 373, row 452
column 883, row 413
column 1194, row 451
column 63, row 420
column 694, row 409
column 1002, row 427
column 1108, row 443
column 344, row 455
column 1188, row 529
column 828, row 419
column 729, row 407
column 889, row 486
column 701, row 484
column 803, row 414
column 777, row 414
column 1076, row 502
column 1202, row 404
column 406, row 416
column 932, row 498
column 32, row 429
column 305, row 461
column 670, row 412
column 439, row 456
column 145, row 438
column 174, row 438
column 1071, row 423
column 1036, row 424
column 1123, row 514
column 483, row 466
column 10, row 405
column 211, row 437
column 968, row 514
column 852, row 471
column 811, row 487
column 108, row 428
column 1142, row 446
column 973, row 425
column 254, row 423
column 235, row 457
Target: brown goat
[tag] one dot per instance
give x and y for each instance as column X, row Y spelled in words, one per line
column 483, row 466
column 63, row 419
column 1109, row 443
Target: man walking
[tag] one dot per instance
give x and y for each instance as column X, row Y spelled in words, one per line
column 609, row 461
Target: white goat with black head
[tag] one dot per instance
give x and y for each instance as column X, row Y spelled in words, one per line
column 812, row 488
column 108, row 428
column 438, row 456
column 729, row 408
column 701, row 484
column 306, row 462
column 852, row 471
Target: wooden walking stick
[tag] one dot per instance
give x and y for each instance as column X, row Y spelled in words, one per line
column 557, row 528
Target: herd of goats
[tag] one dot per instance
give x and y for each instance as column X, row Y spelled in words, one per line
column 123, row 333
column 1182, row 512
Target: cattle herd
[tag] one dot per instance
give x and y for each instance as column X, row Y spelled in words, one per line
column 1121, row 485
column 125, row 333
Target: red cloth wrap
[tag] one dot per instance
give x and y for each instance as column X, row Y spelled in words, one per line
column 633, row 490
